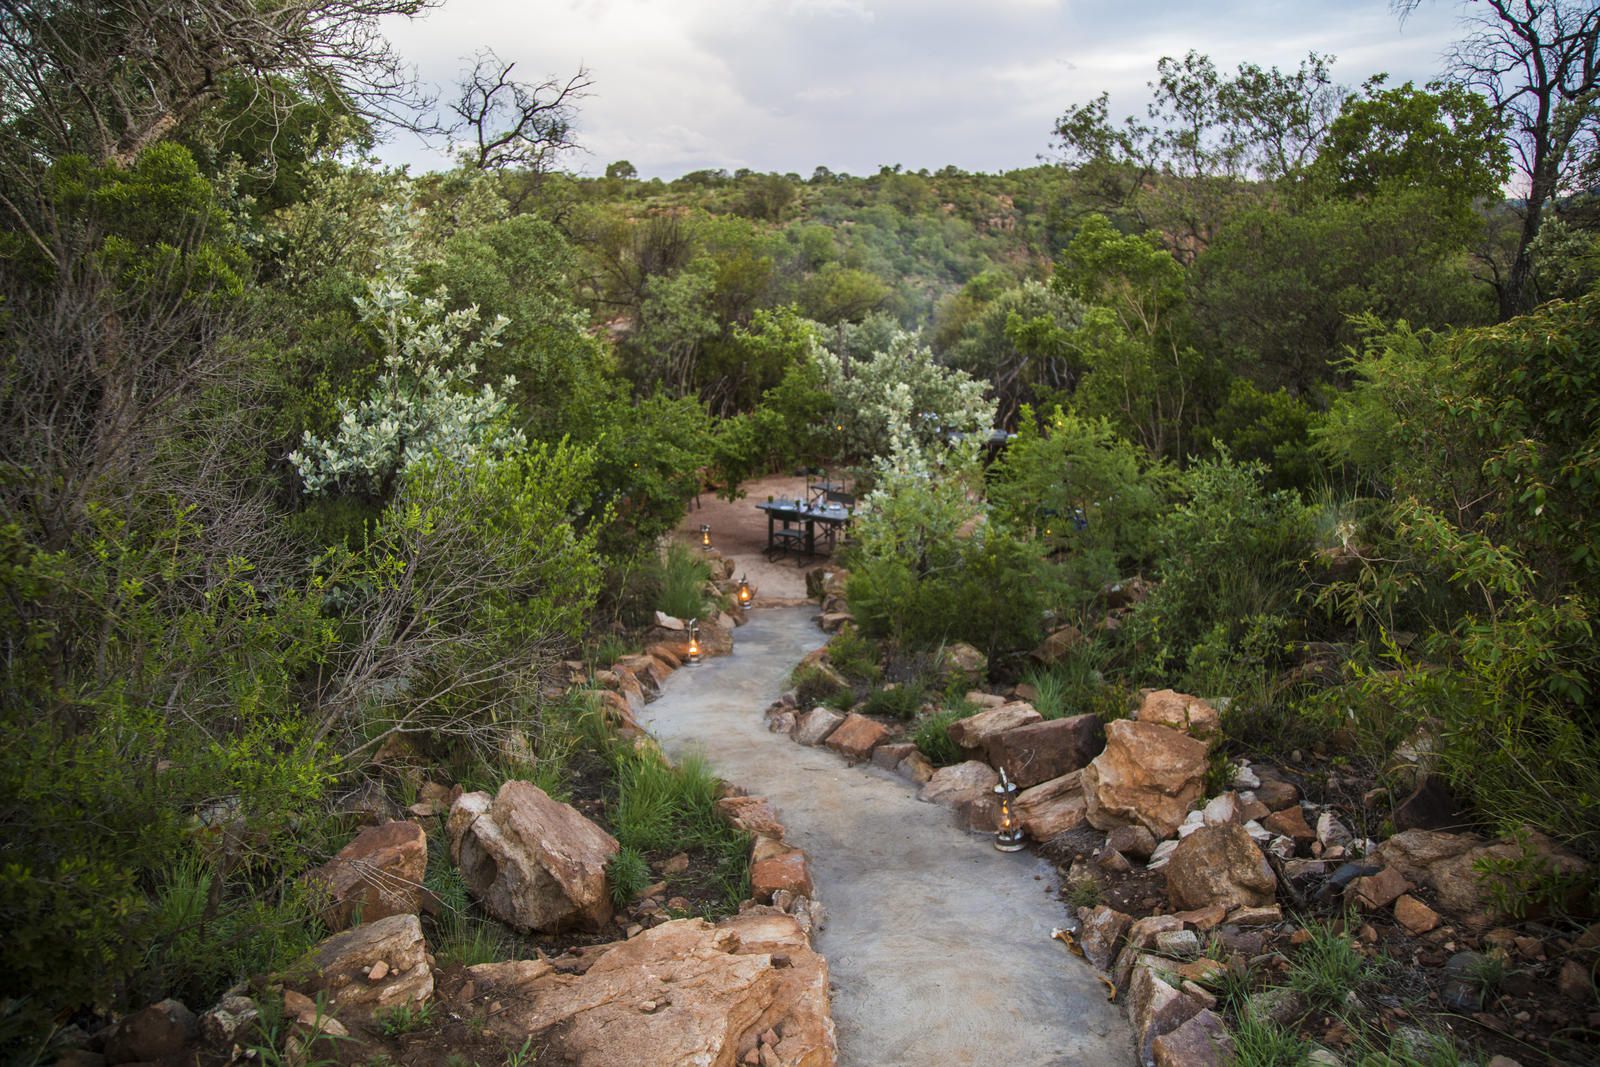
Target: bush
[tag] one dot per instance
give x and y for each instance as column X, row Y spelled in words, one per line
column 900, row 702
column 813, row 686
column 932, row 734
column 854, row 656
column 684, row 575
column 627, row 874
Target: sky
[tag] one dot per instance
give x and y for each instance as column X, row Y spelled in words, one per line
column 852, row 85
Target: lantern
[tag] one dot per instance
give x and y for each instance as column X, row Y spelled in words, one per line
column 745, row 596
column 705, row 535
column 1008, row 828
column 694, row 641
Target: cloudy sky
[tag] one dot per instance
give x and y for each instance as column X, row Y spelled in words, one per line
column 786, row 85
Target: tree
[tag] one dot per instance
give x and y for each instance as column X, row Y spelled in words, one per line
column 1538, row 63
column 506, row 124
column 622, row 170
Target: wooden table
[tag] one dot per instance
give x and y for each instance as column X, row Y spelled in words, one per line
column 833, row 517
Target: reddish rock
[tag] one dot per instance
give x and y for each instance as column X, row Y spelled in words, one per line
column 856, row 737
column 1039, row 751
column 1276, row 793
column 1102, row 929
column 1180, row 711
column 889, row 754
column 915, row 767
column 1155, row 1007
column 1291, row 823
column 1147, row 774
column 973, row 732
column 958, row 784
column 533, row 862
column 1051, row 807
column 1202, row 1041
column 378, row 874
column 1378, row 890
column 339, row 968
column 751, row 814
column 787, row 870
column 157, row 1032
column 1219, row 865
column 1059, row 645
column 1415, row 917
column 1133, row 841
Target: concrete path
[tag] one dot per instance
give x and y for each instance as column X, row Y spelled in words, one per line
column 939, row 946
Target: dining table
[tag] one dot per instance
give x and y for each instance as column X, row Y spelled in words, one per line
column 830, row 515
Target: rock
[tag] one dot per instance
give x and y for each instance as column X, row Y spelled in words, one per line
column 1331, row 832
column 1202, row 1041
column 1113, row 862
column 1291, row 823
column 1052, row 807
column 1251, row 809
column 1203, row 919
column 814, row 726
column 973, row 732
column 533, row 862
column 754, row 815
column 1059, row 645
column 154, row 1033
column 670, row 657
column 1039, row 751
column 1277, row 794
column 1445, row 863
column 1462, row 989
column 378, row 874
column 959, row 784
column 787, row 870
column 1378, row 890
column 1133, row 841
column 1270, row 915
column 229, row 1021
column 1220, row 809
column 1219, row 865
column 1279, row 1005
column 716, row 991
column 762, row 848
column 889, row 754
column 1155, row 1007
column 783, row 723
column 963, row 662
column 670, row 622
column 1102, row 928
column 1415, row 917
column 1180, row 711
column 984, row 700
column 1147, row 774
column 1178, row 944
column 856, row 736
column 368, row 803
column 1162, row 854
column 832, row 622
column 1575, row 981
column 1126, row 593
column 676, row 864
column 716, row 635
column 915, row 767
column 620, row 680
column 338, row 968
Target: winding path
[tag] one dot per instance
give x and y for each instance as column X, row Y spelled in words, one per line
column 939, row 947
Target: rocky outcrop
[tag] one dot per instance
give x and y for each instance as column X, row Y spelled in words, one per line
column 369, row 970
column 1180, row 711
column 533, row 862
column 684, row 992
column 1446, row 863
column 1219, row 865
column 1040, row 751
column 378, row 874
column 1052, row 807
column 1147, row 774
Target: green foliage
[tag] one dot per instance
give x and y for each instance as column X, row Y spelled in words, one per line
column 1327, row 967
column 1259, row 1042
column 813, row 686
column 662, row 808
column 684, row 574
column 932, row 734
column 405, row 1019
column 627, row 874
column 903, row 701
column 853, row 655
column 1272, row 429
column 1230, row 552
column 1090, row 497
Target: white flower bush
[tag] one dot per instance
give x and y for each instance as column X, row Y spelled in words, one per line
column 423, row 403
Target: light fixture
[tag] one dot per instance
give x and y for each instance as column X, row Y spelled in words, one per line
column 705, row 534
column 1008, row 829
column 694, row 640
column 745, row 595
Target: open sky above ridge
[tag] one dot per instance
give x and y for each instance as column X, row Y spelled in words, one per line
column 787, row 85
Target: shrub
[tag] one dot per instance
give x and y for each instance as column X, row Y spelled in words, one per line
column 683, row 583
column 627, row 874
column 932, row 734
column 900, row 702
column 853, row 655
column 813, row 686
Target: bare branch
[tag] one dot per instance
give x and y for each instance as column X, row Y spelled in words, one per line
column 506, row 124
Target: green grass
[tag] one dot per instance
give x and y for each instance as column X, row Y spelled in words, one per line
column 1263, row 1043
column 854, row 656
column 627, row 874
column 1327, row 967
column 462, row 937
column 932, row 734
column 683, row 583
column 662, row 808
column 813, row 686
column 405, row 1019
column 902, row 702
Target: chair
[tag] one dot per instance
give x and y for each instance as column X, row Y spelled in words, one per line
column 786, row 540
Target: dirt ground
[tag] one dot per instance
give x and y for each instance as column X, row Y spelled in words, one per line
column 739, row 532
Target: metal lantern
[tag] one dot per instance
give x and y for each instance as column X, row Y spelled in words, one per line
column 745, row 596
column 694, row 640
column 705, row 535
column 1008, row 828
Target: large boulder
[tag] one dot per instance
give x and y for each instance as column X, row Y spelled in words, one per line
column 342, row 966
column 1040, row 751
column 1180, row 711
column 157, row 1032
column 975, row 731
column 1220, row 865
column 969, row 789
column 1052, row 807
column 961, row 662
column 856, row 736
column 683, row 992
column 1447, row 863
column 378, row 874
column 1059, row 645
column 533, row 862
column 814, row 726
column 1147, row 774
